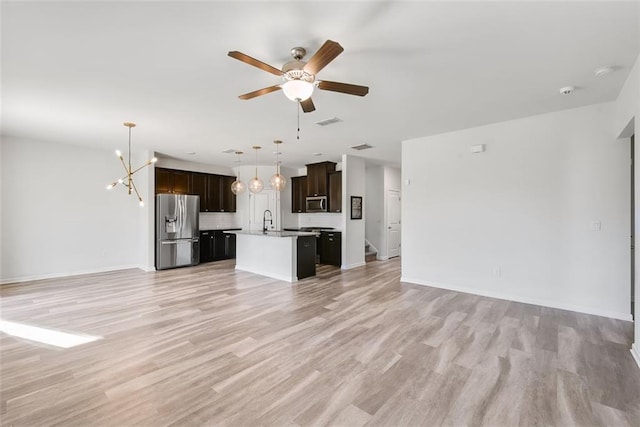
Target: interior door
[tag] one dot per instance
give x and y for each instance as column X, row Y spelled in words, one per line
column 393, row 223
column 258, row 203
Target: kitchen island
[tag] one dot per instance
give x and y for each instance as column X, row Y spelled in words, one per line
column 283, row 255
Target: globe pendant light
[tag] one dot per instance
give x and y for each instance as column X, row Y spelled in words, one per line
column 237, row 186
column 278, row 181
column 255, row 184
column 127, row 180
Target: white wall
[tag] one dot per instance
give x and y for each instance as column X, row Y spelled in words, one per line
column 353, row 231
column 515, row 222
column 57, row 216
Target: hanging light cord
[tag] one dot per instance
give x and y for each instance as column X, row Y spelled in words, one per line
column 256, row 150
column 130, row 180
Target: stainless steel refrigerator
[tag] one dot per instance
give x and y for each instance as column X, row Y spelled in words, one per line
column 177, row 235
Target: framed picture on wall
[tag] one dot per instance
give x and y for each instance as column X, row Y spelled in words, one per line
column 356, row 207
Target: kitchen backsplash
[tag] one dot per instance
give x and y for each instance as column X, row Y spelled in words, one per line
column 219, row 220
column 320, row 220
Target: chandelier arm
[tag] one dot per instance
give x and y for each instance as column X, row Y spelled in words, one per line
column 135, row 189
column 142, row 167
column 124, row 165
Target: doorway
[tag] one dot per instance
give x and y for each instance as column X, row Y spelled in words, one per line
column 393, row 223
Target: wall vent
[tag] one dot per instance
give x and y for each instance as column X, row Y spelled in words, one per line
column 328, row 121
column 361, row 147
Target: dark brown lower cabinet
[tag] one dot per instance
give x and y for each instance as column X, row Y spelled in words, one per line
column 216, row 245
column 331, row 248
column 306, row 256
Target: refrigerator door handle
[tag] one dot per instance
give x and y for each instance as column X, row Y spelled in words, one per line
column 170, row 243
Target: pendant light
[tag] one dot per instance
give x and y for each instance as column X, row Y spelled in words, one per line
column 127, row 180
column 278, row 181
column 255, row 184
column 237, row 186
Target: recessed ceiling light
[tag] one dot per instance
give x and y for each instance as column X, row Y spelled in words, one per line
column 361, row 147
column 328, row 121
column 567, row 90
column 191, row 153
column 317, row 154
column 603, row 71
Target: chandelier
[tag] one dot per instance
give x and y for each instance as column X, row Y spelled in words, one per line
column 255, row 184
column 237, row 186
column 278, row 181
column 127, row 179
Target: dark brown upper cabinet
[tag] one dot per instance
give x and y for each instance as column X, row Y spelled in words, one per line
column 318, row 178
column 228, row 198
column 298, row 194
column 214, row 190
column 172, row 181
column 335, row 192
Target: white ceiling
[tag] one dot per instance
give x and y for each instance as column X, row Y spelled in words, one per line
column 74, row 72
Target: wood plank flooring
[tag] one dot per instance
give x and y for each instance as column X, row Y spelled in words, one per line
column 212, row 346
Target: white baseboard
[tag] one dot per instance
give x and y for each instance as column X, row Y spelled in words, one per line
column 382, row 258
column 20, row 279
column 146, row 268
column 635, row 352
column 526, row 300
column 350, row 266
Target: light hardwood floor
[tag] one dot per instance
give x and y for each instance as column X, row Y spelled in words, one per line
column 211, row 346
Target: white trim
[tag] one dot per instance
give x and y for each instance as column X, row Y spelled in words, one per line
column 148, row 269
column 510, row 297
column 6, row 281
column 635, row 352
column 357, row 264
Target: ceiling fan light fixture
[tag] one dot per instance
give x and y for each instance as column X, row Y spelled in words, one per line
column 297, row 90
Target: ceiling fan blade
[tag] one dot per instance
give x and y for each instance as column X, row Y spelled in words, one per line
column 259, row 92
column 307, row 105
column 327, row 53
column 343, row 88
column 252, row 61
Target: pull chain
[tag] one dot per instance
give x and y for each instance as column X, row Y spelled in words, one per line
column 298, row 109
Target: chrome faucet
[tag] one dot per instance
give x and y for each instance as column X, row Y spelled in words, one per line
column 264, row 220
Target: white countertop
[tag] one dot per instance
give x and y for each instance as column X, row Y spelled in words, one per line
column 274, row 233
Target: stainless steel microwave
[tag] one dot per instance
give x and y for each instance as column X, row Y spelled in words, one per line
column 317, row 204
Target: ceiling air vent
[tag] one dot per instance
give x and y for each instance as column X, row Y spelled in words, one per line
column 361, row 147
column 229, row 150
column 328, row 121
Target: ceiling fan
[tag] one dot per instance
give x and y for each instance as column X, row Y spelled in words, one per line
column 300, row 76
